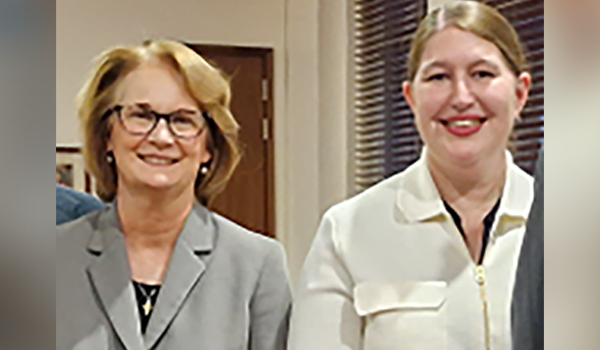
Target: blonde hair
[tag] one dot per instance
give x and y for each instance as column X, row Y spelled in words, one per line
column 207, row 85
column 474, row 17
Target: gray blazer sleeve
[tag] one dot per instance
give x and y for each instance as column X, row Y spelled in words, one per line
column 527, row 314
column 271, row 303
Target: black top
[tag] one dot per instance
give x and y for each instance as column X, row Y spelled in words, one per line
column 488, row 221
column 148, row 290
column 527, row 315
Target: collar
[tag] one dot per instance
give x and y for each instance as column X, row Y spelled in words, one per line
column 419, row 199
column 198, row 231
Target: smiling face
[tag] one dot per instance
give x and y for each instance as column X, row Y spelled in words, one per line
column 464, row 97
column 158, row 160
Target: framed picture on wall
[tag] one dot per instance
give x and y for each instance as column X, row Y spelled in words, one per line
column 70, row 170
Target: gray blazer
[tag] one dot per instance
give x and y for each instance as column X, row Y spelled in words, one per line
column 528, row 298
column 226, row 288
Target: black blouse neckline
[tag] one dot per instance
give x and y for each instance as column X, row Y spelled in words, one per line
column 152, row 291
column 488, row 221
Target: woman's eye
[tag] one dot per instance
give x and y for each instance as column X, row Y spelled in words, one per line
column 484, row 74
column 179, row 119
column 141, row 115
column 439, row 76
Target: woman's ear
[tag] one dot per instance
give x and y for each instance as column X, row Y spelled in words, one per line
column 206, row 148
column 407, row 91
column 206, row 157
column 109, row 146
column 522, row 90
column 109, row 143
column 207, row 145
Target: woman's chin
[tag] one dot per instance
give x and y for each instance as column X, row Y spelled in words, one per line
column 158, row 182
column 463, row 155
column 155, row 183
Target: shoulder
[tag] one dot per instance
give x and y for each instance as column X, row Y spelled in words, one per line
column 247, row 253
column 233, row 236
column 370, row 201
column 78, row 232
column 81, row 226
column 520, row 184
column 73, row 237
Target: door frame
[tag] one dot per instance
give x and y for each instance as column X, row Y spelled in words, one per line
column 266, row 54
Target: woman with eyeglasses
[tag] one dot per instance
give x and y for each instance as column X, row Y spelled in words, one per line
column 156, row 269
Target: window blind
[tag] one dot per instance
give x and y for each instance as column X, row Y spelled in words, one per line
column 386, row 139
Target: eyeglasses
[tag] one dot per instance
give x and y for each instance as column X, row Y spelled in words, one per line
column 141, row 120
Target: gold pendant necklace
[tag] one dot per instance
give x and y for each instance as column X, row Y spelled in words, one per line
column 148, row 304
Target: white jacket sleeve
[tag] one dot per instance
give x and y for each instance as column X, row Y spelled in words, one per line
column 323, row 314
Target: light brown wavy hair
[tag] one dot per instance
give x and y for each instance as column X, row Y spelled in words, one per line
column 205, row 83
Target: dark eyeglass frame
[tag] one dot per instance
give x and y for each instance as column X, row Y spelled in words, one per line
column 157, row 117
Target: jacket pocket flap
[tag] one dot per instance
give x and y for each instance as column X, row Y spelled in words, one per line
column 373, row 297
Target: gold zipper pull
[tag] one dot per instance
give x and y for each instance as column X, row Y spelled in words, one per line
column 480, row 277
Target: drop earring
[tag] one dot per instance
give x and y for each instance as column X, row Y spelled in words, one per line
column 110, row 158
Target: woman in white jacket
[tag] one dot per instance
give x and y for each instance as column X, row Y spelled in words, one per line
column 426, row 259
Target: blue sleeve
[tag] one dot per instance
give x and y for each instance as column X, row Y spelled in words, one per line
column 88, row 204
column 71, row 205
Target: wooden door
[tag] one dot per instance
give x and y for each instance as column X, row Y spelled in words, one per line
column 249, row 197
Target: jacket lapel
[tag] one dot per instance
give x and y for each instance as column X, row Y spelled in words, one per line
column 110, row 277
column 418, row 197
column 420, row 201
column 517, row 197
column 188, row 263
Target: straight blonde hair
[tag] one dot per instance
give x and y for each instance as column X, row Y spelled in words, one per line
column 474, row 17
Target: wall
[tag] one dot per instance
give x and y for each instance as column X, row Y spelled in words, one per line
column 84, row 28
column 302, row 118
column 317, row 115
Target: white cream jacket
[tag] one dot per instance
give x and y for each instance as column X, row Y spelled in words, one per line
column 389, row 269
